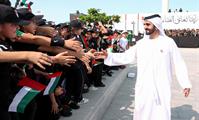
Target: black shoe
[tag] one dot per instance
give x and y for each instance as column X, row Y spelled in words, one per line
column 115, row 68
column 66, row 111
column 74, row 105
column 100, row 85
column 55, row 116
column 66, row 106
column 122, row 67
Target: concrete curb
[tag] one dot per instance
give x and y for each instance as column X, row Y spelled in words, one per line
column 103, row 103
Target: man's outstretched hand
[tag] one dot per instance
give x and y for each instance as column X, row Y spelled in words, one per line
column 101, row 55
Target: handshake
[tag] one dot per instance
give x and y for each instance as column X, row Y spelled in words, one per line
column 101, row 55
column 93, row 54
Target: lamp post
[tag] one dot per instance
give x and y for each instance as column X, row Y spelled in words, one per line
column 133, row 23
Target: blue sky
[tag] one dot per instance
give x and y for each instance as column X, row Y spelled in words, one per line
column 58, row 10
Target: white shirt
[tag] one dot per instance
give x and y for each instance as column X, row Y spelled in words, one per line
column 123, row 43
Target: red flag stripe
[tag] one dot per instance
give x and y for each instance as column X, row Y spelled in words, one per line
column 55, row 74
column 31, row 83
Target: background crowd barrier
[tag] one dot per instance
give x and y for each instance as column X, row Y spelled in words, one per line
column 187, row 41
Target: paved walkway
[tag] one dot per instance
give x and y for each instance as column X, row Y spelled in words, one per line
column 182, row 108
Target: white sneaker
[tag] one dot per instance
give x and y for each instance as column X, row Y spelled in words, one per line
column 93, row 88
column 83, row 101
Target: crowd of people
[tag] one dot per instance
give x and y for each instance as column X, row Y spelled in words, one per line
column 56, row 61
column 182, row 32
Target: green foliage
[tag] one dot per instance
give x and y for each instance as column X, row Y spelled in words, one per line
column 95, row 15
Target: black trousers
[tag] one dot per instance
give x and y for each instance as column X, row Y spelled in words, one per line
column 4, row 114
column 96, row 75
column 44, row 106
column 29, row 113
column 5, row 101
column 75, row 77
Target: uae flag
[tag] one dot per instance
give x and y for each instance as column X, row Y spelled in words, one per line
column 25, row 95
column 54, row 79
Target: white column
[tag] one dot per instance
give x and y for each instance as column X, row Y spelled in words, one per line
column 125, row 22
column 165, row 7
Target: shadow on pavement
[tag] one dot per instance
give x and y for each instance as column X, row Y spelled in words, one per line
column 184, row 112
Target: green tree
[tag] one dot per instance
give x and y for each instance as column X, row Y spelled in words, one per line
column 95, row 15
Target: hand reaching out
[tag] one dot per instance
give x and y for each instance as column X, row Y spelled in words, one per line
column 85, row 59
column 101, row 55
column 73, row 44
column 90, row 53
column 64, row 59
column 39, row 59
column 55, row 108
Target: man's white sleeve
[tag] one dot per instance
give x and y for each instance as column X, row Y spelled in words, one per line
column 128, row 57
column 180, row 67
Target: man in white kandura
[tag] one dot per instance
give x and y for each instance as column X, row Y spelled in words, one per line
column 154, row 54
